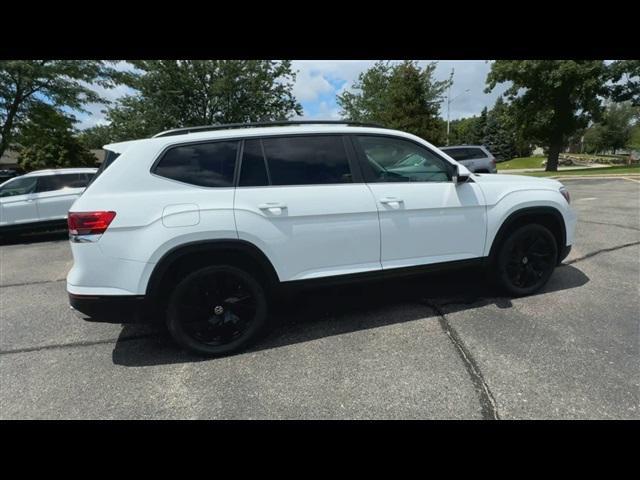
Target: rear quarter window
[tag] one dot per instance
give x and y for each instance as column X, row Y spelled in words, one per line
column 209, row 164
column 476, row 153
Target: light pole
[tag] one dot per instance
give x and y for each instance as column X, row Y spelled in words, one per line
column 449, row 101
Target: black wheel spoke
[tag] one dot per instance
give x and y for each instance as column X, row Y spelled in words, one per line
column 530, row 259
column 218, row 308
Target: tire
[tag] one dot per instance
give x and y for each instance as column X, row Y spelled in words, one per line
column 217, row 310
column 525, row 260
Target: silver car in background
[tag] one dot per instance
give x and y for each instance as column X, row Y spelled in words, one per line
column 477, row 158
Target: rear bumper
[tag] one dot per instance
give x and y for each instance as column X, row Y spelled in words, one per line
column 110, row 308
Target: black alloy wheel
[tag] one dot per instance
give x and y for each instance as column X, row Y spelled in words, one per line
column 527, row 259
column 217, row 310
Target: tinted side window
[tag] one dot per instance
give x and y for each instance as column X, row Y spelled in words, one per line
column 20, row 186
column 307, row 160
column 457, row 153
column 253, row 172
column 50, row 183
column 476, row 153
column 397, row 160
column 203, row 164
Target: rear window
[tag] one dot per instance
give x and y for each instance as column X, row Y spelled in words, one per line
column 203, row 164
column 476, row 153
column 296, row 160
column 307, row 160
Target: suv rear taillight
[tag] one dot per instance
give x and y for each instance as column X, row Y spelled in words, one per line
column 89, row 223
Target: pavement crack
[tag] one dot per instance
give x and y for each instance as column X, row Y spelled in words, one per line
column 487, row 401
column 39, row 282
column 602, row 250
column 76, row 344
column 611, row 224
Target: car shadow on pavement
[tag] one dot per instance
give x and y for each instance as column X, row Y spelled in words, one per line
column 34, row 237
column 330, row 311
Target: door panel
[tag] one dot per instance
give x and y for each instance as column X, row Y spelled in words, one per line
column 311, row 231
column 301, row 201
column 17, row 200
column 429, row 222
column 56, row 204
column 424, row 217
column 56, row 193
column 19, row 209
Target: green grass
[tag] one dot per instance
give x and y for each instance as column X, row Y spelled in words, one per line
column 622, row 169
column 522, row 162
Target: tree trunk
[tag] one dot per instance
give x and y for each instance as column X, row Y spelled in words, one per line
column 5, row 133
column 552, row 157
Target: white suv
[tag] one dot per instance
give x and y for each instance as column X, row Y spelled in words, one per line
column 41, row 199
column 202, row 226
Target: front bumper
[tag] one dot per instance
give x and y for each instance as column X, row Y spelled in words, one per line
column 110, row 308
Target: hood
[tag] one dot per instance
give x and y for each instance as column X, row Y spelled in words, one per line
column 487, row 178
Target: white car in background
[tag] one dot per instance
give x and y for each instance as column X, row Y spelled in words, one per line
column 41, row 199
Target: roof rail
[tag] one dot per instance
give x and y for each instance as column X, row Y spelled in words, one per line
column 206, row 128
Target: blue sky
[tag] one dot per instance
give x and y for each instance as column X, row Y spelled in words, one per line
column 319, row 81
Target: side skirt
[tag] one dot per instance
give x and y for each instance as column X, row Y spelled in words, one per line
column 379, row 275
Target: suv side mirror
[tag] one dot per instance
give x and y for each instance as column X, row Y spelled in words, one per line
column 459, row 177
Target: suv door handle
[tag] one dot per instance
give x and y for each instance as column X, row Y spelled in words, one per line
column 387, row 200
column 274, row 208
column 265, row 206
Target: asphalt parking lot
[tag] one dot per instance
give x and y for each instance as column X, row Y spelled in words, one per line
column 424, row 348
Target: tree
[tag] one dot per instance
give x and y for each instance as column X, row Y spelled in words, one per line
column 500, row 134
column 184, row 93
column 463, row 131
column 25, row 85
column 47, row 141
column 618, row 121
column 552, row 99
column 401, row 96
column 96, row 136
column 615, row 129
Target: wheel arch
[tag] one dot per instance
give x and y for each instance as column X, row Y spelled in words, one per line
column 182, row 258
column 547, row 216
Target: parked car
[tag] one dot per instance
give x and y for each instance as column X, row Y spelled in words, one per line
column 6, row 174
column 41, row 199
column 477, row 158
column 201, row 227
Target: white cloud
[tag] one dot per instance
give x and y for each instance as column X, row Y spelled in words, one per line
column 310, row 84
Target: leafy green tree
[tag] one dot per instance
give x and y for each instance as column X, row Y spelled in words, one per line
column 96, row 137
column 552, row 99
column 183, row 93
column 402, row 96
column 615, row 129
column 624, row 76
column 59, row 83
column 47, row 140
column 463, row 131
column 618, row 122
